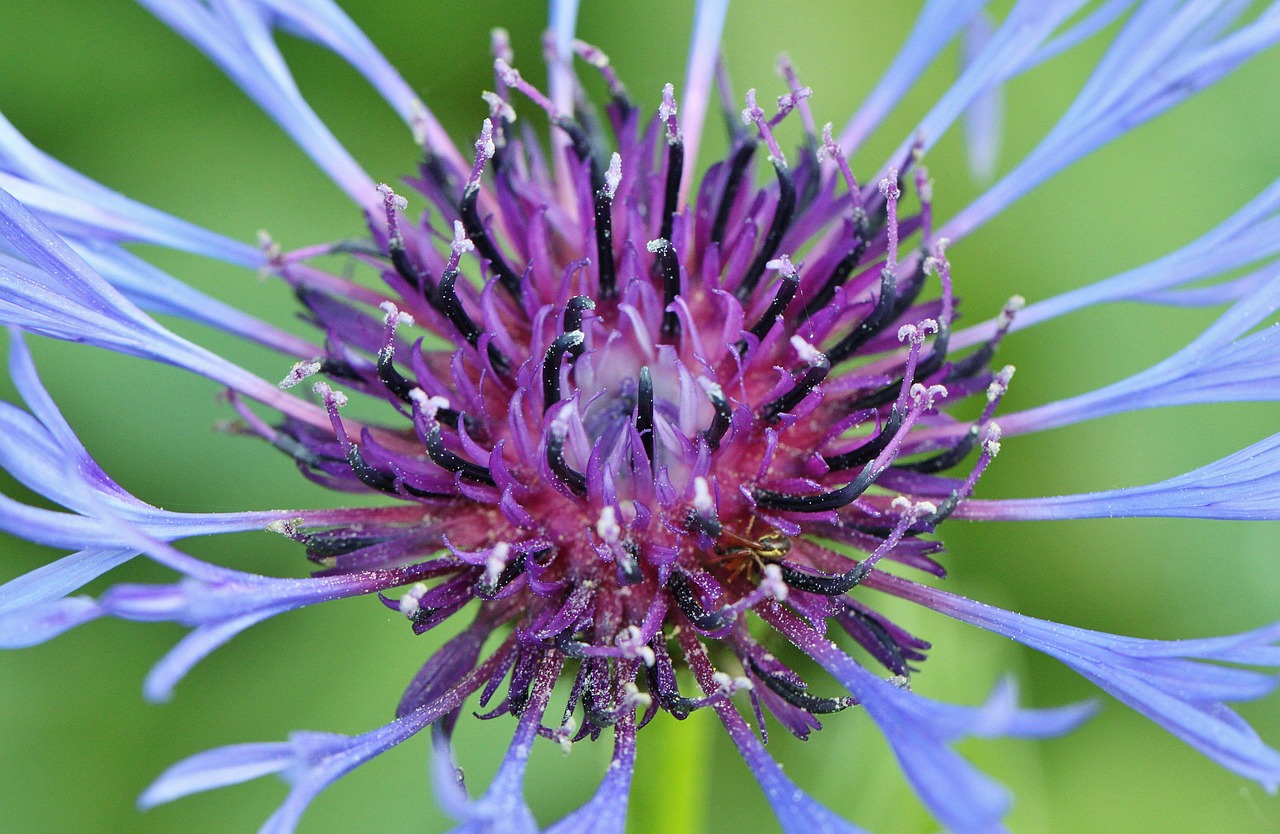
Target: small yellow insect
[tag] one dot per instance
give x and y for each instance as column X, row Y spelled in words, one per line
column 745, row 554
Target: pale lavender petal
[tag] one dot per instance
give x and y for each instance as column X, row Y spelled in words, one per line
column 797, row 812
column 217, row 769
column 920, row 731
column 37, row 623
column 60, row 296
column 984, row 117
column 195, row 647
column 58, row 191
column 606, row 813
column 1241, row 487
column 1125, row 90
column 695, row 98
column 936, row 24
column 1163, row 680
column 1022, row 31
column 55, row 580
column 1226, row 363
column 1250, row 235
column 323, row 22
column 236, row 37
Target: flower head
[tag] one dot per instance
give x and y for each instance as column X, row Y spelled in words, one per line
column 625, row 420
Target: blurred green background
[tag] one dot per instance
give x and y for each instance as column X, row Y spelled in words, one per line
column 102, row 86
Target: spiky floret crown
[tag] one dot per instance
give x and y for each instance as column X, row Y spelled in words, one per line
column 630, row 420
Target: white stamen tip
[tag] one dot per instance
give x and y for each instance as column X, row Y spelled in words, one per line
column 807, row 352
column 499, row 107
column 299, row 372
column 485, row 143
column 392, row 198
column 411, row 602
column 634, row 698
column 496, row 563
column 773, row 584
column 667, row 108
column 702, row 495
column 322, row 388
column 783, row 264
column 607, row 526
column 613, row 176
column 991, row 444
column 461, row 243
column 889, row 185
column 508, row 74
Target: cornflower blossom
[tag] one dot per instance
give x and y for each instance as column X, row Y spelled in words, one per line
column 653, row 434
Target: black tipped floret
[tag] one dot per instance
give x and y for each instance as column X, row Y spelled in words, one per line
column 782, row 215
column 822, row 584
column 671, row 189
column 603, row 207
column 876, row 320
column 404, row 267
column 479, row 236
column 571, row 477
column 870, row 450
column 786, row 292
column 720, row 423
column 818, row 502
column 811, row 379
column 946, row 458
column 669, row 265
column 445, row 299
column 796, row 694
column 577, row 305
column 702, row 619
column 514, row 568
column 570, row 342
column 733, row 181
column 395, row 382
column 861, row 238
column 644, row 415
column 446, row 459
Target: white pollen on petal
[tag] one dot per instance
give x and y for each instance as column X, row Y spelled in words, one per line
column 322, row 388
column 499, row 107
column 411, row 602
column 607, row 526
column 633, row 697
column 901, row 503
column 613, row 176
column 392, row 198
column 702, row 495
column 723, row 681
column 299, row 372
column 485, row 143
column 668, row 107
column 773, row 583
column 287, row 527
column 908, row 332
column 461, row 243
column 496, row 563
column 889, row 185
column 991, row 444
column 657, row 245
column 509, row 74
column 807, row 352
